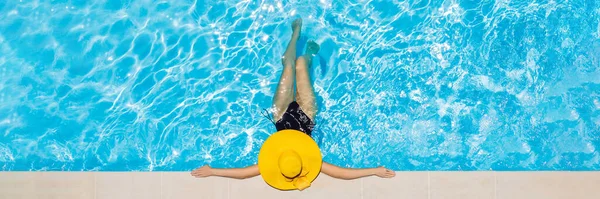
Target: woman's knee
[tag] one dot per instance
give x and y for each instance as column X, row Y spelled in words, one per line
column 301, row 63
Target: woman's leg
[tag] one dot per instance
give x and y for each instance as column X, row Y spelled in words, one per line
column 285, row 89
column 305, row 95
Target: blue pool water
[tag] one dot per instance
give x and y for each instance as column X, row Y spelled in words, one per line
column 411, row 85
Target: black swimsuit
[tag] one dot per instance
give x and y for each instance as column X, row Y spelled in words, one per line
column 294, row 118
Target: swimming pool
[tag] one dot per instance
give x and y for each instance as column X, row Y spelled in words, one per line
column 411, row 85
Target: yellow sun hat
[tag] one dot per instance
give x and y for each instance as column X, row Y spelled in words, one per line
column 289, row 159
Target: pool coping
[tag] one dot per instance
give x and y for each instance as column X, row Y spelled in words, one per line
column 418, row 185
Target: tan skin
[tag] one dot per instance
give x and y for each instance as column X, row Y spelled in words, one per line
column 295, row 70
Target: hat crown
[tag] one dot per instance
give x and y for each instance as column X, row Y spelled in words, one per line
column 290, row 164
column 289, row 159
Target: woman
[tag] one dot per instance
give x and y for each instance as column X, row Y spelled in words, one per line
column 293, row 116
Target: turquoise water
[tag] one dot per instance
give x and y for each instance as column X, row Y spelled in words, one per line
column 411, row 85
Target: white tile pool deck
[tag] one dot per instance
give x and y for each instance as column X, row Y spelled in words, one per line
column 413, row 185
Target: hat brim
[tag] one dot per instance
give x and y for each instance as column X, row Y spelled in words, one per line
column 268, row 157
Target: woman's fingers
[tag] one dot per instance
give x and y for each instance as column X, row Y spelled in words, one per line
column 386, row 173
column 391, row 174
column 200, row 174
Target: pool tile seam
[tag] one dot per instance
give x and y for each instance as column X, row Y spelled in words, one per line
column 228, row 188
column 495, row 185
column 362, row 188
column 161, row 185
column 95, row 186
column 429, row 185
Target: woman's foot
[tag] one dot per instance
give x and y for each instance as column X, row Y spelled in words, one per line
column 297, row 27
column 312, row 48
column 383, row 172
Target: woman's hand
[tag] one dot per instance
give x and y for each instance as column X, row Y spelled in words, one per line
column 383, row 172
column 202, row 172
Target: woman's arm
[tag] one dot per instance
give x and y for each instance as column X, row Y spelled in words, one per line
column 349, row 174
column 237, row 173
